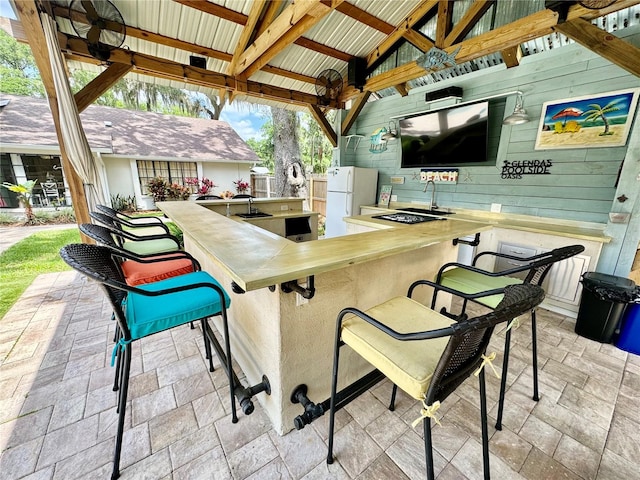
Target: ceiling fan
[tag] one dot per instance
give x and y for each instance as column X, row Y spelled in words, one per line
column 102, row 27
column 328, row 86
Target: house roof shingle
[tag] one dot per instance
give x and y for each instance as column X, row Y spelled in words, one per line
column 135, row 134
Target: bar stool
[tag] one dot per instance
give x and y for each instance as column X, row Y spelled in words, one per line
column 425, row 353
column 467, row 280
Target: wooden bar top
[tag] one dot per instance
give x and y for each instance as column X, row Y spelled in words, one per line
column 255, row 259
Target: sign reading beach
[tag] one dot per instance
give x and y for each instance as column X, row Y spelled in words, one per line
column 602, row 120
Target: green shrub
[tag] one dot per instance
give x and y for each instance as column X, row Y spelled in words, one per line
column 124, row 204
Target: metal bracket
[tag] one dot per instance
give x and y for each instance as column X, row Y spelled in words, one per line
column 237, row 288
column 474, row 243
column 307, row 292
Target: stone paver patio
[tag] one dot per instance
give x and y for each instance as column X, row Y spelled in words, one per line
column 57, row 408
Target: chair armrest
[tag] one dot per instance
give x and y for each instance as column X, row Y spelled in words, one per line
column 159, row 293
column 467, row 296
column 137, row 238
column 423, row 335
column 133, row 225
column 155, row 258
column 502, row 273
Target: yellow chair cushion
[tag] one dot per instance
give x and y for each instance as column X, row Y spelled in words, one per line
column 466, row 281
column 408, row 364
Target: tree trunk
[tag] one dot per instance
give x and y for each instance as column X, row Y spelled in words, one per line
column 289, row 171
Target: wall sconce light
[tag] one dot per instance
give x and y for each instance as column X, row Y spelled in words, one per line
column 519, row 115
column 391, row 134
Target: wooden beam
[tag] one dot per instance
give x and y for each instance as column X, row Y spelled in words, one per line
column 291, row 24
column 512, row 56
column 444, row 20
column 324, row 49
column 605, row 44
column 215, row 10
column 365, row 17
column 148, row 36
column 100, row 84
column 467, row 22
column 401, row 88
column 398, row 34
column 418, row 40
column 245, row 36
column 30, row 19
column 324, row 124
column 533, row 26
column 163, row 68
column 355, row 110
column 270, row 14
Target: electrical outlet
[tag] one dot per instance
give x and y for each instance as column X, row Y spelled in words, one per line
column 284, row 207
column 394, row 198
column 300, row 300
column 496, row 207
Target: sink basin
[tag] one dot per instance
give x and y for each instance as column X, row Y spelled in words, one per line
column 425, row 210
column 254, row 215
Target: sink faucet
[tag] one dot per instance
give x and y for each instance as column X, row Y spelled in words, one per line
column 249, row 206
column 433, row 205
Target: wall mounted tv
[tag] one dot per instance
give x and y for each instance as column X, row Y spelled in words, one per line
column 450, row 136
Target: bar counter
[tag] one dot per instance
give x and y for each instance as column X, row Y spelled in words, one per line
column 285, row 336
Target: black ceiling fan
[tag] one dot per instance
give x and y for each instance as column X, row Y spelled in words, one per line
column 102, row 27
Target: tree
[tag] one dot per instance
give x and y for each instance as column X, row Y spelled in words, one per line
column 599, row 112
column 18, row 72
column 314, row 145
column 289, row 171
column 24, row 192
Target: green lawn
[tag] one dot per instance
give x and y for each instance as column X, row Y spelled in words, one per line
column 24, row 261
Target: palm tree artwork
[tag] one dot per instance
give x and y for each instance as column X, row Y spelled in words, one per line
column 599, row 112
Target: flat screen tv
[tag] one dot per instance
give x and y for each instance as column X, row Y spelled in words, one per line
column 450, row 136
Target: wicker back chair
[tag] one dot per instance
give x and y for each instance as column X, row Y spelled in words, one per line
column 467, row 280
column 145, row 228
column 425, row 353
column 149, row 309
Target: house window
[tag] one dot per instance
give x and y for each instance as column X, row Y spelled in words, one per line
column 173, row 172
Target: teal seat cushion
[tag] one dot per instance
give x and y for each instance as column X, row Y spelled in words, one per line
column 469, row 282
column 148, row 247
column 147, row 315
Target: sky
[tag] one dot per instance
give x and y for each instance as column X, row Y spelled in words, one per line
column 6, row 10
column 244, row 120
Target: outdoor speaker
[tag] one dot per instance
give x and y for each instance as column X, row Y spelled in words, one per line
column 444, row 93
column 357, row 73
column 200, row 62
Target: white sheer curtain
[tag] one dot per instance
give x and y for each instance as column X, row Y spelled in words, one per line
column 75, row 141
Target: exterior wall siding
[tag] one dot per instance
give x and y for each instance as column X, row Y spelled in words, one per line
column 584, row 182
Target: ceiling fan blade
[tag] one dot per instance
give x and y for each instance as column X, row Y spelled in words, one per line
column 93, row 35
column 114, row 26
column 92, row 14
column 336, row 83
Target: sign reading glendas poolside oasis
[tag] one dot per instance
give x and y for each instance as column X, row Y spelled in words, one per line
column 525, row 167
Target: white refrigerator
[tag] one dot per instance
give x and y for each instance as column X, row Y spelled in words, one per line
column 348, row 188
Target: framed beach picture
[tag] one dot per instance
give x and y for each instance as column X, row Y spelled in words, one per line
column 602, row 120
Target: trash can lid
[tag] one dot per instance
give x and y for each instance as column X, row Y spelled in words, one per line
column 609, row 286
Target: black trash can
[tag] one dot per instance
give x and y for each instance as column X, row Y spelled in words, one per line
column 603, row 302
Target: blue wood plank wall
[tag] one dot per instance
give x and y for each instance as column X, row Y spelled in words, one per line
column 582, row 184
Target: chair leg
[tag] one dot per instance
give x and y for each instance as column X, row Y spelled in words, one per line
column 503, row 379
column 207, row 344
column 534, row 347
column 122, row 407
column 392, row 404
column 334, row 389
column 232, row 386
column 485, row 429
column 428, row 448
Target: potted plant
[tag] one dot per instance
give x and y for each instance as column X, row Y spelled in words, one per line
column 241, row 186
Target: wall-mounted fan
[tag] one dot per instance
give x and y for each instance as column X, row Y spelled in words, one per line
column 102, row 27
column 328, row 86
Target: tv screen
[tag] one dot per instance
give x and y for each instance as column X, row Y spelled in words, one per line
column 451, row 136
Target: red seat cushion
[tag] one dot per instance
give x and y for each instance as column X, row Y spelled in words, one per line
column 137, row 273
